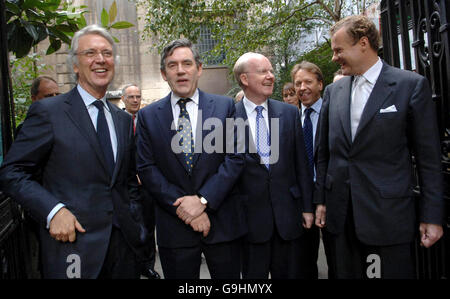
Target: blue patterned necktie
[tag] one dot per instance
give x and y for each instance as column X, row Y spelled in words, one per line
column 308, row 136
column 103, row 136
column 262, row 137
column 185, row 129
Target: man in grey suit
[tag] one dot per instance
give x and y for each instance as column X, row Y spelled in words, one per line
column 372, row 122
column 84, row 149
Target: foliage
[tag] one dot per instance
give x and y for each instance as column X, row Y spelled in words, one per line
column 321, row 56
column 107, row 20
column 35, row 20
column 239, row 26
column 23, row 71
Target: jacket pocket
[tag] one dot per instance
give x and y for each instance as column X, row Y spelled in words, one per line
column 295, row 191
column 395, row 191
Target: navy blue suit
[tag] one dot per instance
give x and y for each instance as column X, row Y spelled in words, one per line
column 58, row 140
column 213, row 176
column 275, row 198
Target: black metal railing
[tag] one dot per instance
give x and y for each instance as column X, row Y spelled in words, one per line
column 416, row 37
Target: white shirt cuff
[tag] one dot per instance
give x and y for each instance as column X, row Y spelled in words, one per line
column 53, row 212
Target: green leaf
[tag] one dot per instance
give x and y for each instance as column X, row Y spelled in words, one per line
column 12, row 8
column 55, row 45
column 42, row 32
column 82, row 21
column 116, row 39
column 104, row 18
column 122, row 25
column 64, row 28
column 113, row 12
column 30, row 29
column 19, row 46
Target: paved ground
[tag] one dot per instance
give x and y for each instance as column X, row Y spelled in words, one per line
column 204, row 274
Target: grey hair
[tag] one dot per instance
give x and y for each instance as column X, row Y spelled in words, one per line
column 72, row 58
column 179, row 43
column 241, row 65
column 126, row 86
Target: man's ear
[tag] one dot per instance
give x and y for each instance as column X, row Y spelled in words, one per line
column 244, row 79
column 364, row 42
column 163, row 74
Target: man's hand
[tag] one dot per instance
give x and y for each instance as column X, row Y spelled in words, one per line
column 308, row 219
column 321, row 212
column 429, row 234
column 201, row 224
column 189, row 207
column 63, row 226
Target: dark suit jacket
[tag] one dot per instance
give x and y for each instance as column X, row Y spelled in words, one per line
column 375, row 171
column 58, row 137
column 277, row 197
column 213, row 176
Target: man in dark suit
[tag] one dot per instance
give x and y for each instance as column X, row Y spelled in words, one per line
column 131, row 97
column 276, row 182
column 198, row 209
column 83, row 147
column 307, row 80
column 371, row 124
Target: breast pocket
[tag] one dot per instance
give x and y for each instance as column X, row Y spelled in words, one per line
column 387, row 115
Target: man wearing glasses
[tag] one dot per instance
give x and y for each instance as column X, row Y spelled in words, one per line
column 84, row 148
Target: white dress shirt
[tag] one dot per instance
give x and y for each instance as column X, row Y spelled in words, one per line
column 250, row 109
column 365, row 83
column 191, row 107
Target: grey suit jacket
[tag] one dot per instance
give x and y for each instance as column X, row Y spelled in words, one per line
column 374, row 173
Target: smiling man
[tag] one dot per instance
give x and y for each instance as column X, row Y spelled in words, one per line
column 198, row 209
column 372, row 122
column 84, row 148
column 278, row 194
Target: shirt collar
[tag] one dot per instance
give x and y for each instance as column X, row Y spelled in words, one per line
column 315, row 107
column 250, row 106
column 373, row 72
column 174, row 98
column 88, row 99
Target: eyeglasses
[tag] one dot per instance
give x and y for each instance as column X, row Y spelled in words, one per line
column 91, row 53
column 262, row 72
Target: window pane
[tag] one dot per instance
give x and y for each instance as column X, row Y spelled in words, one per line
column 205, row 44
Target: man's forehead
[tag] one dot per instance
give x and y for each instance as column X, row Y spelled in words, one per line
column 132, row 89
column 92, row 39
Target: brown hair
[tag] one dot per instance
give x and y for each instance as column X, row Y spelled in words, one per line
column 307, row 66
column 358, row 27
column 288, row 86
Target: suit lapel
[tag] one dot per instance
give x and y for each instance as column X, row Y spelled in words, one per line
column 205, row 110
column 250, row 147
column 121, row 134
column 274, row 113
column 380, row 93
column 78, row 114
column 343, row 97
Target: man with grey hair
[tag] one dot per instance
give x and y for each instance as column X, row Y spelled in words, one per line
column 131, row 97
column 84, row 148
column 198, row 209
